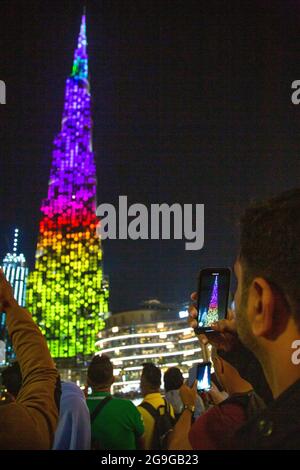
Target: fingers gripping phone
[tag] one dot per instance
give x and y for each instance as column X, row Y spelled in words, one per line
column 202, row 373
column 212, row 297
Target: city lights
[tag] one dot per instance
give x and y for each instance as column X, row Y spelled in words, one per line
column 16, row 272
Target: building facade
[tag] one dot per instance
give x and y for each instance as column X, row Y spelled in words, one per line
column 155, row 333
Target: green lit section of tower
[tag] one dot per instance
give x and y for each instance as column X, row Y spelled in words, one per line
column 67, row 292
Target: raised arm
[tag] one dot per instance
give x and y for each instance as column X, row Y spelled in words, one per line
column 29, row 422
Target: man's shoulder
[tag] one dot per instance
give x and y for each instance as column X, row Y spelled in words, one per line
column 114, row 404
column 222, row 415
column 155, row 402
column 223, row 410
column 155, row 399
column 124, row 404
column 123, row 401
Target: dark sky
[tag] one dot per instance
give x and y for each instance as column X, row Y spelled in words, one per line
column 191, row 104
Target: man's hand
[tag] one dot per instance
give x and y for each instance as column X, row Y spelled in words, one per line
column 6, row 293
column 224, row 335
column 215, row 395
column 188, row 395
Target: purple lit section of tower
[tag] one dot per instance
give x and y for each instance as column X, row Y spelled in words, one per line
column 212, row 314
column 67, row 292
column 72, row 185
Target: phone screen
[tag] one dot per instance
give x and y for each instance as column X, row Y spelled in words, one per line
column 192, row 375
column 203, row 376
column 213, row 292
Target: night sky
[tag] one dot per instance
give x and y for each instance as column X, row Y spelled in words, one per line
column 191, row 104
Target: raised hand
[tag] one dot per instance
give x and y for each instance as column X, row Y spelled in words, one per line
column 224, row 335
column 6, row 293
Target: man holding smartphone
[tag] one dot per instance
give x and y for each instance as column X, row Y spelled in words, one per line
column 267, row 323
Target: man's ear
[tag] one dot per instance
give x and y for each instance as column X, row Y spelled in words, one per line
column 261, row 307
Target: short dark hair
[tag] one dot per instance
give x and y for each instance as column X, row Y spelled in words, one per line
column 100, row 370
column 270, row 245
column 173, row 379
column 152, row 374
column 12, row 379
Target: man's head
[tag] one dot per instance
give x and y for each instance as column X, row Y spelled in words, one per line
column 150, row 379
column 173, row 379
column 268, row 273
column 12, row 379
column 100, row 373
column 228, row 376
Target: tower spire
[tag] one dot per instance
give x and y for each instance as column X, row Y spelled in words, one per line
column 80, row 62
column 16, row 235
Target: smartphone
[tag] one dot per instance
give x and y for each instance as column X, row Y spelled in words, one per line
column 202, row 373
column 213, row 293
column 192, row 375
column 204, row 376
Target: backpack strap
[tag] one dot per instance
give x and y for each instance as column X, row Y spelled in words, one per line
column 151, row 410
column 154, row 412
column 99, row 407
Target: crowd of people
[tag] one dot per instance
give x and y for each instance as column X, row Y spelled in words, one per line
column 254, row 402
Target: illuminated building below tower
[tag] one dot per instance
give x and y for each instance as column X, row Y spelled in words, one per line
column 154, row 333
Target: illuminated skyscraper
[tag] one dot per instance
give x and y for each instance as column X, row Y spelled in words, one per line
column 67, row 292
column 16, row 272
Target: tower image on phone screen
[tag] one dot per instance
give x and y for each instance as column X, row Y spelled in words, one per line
column 210, row 314
column 203, row 376
column 212, row 296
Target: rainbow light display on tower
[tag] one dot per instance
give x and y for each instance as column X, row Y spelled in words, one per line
column 212, row 314
column 67, row 293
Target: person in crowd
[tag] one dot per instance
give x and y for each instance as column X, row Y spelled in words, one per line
column 262, row 341
column 74, row 426
column 215, row 429
column 12, row 381
column 116, row 423
column 173, row 380
column 30, row 421
column 150, row 389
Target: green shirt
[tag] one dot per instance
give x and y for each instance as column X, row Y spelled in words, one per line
column 118, row 424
